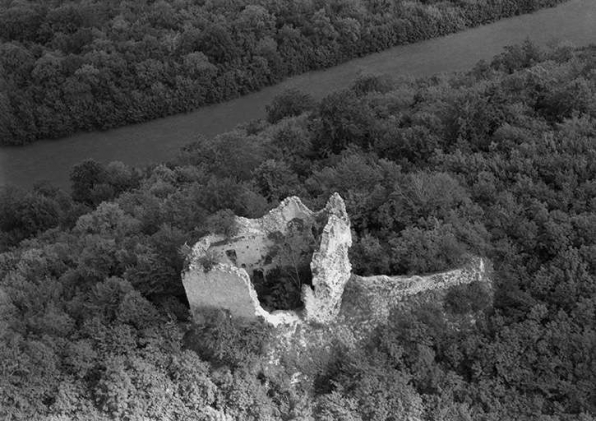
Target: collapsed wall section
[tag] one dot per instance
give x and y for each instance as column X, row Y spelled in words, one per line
column 222, row 272
column 225, row 272
column 228, row 288
column 368, row 301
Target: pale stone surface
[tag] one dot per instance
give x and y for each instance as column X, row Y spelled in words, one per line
column 368, row 301
column 226, row 282
column 330, row 266
column 223, row 287
column 253, row 241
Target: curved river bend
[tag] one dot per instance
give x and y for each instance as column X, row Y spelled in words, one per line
column 158, row 140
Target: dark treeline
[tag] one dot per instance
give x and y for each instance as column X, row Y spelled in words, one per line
column 67, row 66
column 498, row 162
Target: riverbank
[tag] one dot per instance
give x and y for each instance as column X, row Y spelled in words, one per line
column 160, row 139
column 109, row 68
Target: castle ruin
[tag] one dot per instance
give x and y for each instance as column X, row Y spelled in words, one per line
column 225, row 273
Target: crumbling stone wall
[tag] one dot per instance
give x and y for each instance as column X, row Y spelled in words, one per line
column 227, row 288
column 338, row 307
column 368, row 301
column 330, row 266
column 219, row 269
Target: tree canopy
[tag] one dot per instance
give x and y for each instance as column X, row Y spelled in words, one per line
column 497, row 162
column 69, row 65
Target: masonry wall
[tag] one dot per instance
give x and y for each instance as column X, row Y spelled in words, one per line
column 352, row 304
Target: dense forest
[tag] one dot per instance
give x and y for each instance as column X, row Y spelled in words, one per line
column 71, row 65
column 498, row 162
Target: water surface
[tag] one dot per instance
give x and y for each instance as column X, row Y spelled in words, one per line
column 158, row 140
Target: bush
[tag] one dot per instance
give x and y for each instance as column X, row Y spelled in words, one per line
column 289, row 103
column 225, row 340
column 468, row 298
column 223, row 222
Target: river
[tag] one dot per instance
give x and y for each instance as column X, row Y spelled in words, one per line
column 158, row 140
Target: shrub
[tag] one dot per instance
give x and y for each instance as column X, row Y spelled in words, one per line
column 468, row 298
column 223, row 222
column 226, row 340
column 289, row 103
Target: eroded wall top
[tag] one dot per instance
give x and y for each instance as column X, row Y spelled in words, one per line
column 220, row 269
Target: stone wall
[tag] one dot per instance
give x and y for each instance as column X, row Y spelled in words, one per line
column 228, row 288
column 219, row 269
column 368, row 301
column 330, row 266
column 339, row 307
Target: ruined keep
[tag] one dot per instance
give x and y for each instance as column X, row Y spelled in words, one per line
column 311, row 249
